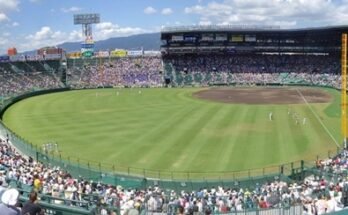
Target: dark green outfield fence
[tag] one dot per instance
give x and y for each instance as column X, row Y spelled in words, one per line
column 132, row 177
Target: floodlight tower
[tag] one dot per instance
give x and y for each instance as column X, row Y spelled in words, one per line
column 86, row 21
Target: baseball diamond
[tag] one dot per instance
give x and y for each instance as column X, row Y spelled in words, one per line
column 173, row 129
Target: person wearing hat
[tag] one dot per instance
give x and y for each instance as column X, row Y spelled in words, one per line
column 9, row 200
column 31, row 207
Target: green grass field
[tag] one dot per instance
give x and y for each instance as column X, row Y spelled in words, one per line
column 168, row 129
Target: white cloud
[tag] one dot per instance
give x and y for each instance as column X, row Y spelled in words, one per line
column 46, row 36
column 4, row 42
column 204, row 22
column 167, row 11
column 43, row 34
column 75, row 36
column 106, row 30
column 3, row 17
column 150, row 10
column 15, row 24
column 71, row 9
column 7, row 5
column 286, row 13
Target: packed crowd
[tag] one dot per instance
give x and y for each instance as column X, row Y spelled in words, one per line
column 16, row 83
column 255, row 69
column 140, row 71
column 183, row 70
column 314, row 195
column 224, row 78
column 256, row 63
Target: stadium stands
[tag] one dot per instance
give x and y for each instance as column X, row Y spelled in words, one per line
column 323, row 190
column 180, row 70
column 253, row 69
column 19, row 77
column 139, row 72
column 207, row 70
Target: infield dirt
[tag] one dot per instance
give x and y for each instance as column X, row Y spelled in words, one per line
column 264, row 95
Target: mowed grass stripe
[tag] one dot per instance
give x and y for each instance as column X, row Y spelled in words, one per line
column 317, row 133
column 262, row 137
column 281, row 137
column 275, row 139
column 300, row 132
column 240, row 150
column 154, row 140
column 288, row 124
column 194, row 143
column 224, row 127
column 138, row 146
column 176, row 144
column 225, row 159
column 103, row 124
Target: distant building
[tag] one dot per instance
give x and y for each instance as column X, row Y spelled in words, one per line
column 49, row 51
column 12, row 51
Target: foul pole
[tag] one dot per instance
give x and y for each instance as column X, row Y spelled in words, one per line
column 344, row 90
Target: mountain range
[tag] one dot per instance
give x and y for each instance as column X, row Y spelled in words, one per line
column 149, row 41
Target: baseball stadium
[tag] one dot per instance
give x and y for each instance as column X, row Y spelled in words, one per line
column 221, row 120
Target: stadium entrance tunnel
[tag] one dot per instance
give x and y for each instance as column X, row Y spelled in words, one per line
column 265, row 95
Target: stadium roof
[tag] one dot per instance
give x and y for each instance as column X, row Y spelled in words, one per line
column 252, row 28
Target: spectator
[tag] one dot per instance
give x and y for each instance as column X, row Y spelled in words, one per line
column 9, row 202
column 31, row 207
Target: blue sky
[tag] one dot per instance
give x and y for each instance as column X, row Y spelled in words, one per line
column 31, row 24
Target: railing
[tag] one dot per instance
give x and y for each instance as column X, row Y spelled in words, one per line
column 88, row 205
column 61, row 206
